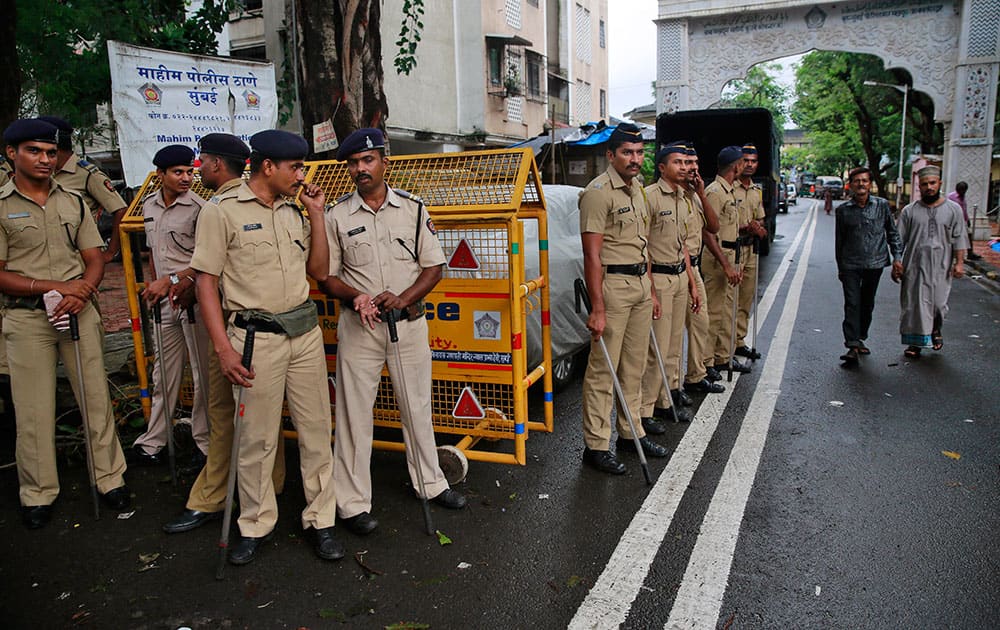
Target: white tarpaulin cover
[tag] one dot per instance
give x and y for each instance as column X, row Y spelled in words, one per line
column 160, row 98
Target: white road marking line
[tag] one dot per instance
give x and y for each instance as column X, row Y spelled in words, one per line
column 700, row 595
column 608, row 603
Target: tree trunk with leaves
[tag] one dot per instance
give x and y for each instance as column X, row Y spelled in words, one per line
column 10, row 69
column 340, row 64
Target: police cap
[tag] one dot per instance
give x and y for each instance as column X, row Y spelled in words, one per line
column 30, row 129
column 65, row 130
column 749, row 149
column 729, row 154
column 224, row 145
column 173, row 155
column 678, row 146
column 626, row 132
column 276, row 144
column 366, row 139
column 689, row 148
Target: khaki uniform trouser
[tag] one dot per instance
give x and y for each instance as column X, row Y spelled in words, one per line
column 628, row 317
column 697, row 327
column 181, row 340
column 208, row 494
column 361, row 354
column 4, row 367
column 33, row 348
column 720, row 308
column 748, row 291
column 292, row 369
column 672, row 292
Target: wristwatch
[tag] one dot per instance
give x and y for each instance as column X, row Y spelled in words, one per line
column 174, row 279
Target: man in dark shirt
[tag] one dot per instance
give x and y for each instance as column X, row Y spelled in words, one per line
column 866, row 234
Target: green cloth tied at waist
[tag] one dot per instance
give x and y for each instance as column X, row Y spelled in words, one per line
column 293, row 323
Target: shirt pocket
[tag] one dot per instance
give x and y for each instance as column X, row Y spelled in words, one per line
column 69, row 221
column 358, row 249
column 257, row 248
column 625, row 222
column 403, row 244
column 179, row 233
column 23, row 233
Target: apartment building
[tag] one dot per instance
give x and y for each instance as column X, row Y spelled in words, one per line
column 488, row 73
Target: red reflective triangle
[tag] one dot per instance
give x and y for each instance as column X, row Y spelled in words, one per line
column 468, row 407
column 463, row 257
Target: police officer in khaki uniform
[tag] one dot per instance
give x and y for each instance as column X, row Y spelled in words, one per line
column 702, row 220
column 256, row 247
column 669, row 207
column 169, row 218
column 79, row 175
column 614, row 226
column 48, row 242
column 223, row 157
column 719, row 270
column 384, row 255
column 750, row 200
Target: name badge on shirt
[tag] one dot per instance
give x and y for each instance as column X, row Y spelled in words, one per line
column 19, row 215
column 148, row 220
column 356, row 231
column 250, row 227
column 666, row 213
column 624, row 210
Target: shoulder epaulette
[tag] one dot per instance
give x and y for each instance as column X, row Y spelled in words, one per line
column 87, row 165
column 407, row 195
column 343, row 198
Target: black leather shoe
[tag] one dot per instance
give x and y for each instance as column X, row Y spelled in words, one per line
column 651, row 426
column 705, row 386
column 245, row 549
column 361, row 524
column 850, row 357
column 139, row 457
column 36, row 516
column 188, row 520
column 737, row 367
column 649, row 447
column 328, row 547
column 749, row 353
column 604, row 461
column 680, row 398
column 683, row 415
column 118, row 499
column 712, row 375
column 451, row 499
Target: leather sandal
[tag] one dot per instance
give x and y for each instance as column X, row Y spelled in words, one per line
column 912, row 352
column 937, row 341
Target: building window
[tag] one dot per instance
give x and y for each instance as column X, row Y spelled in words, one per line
column 533, row 3
column 583, row 35
column 253, row 5
column 604, row 104
column 534, row 63
column 513, row 13
column 601, row 36
column 254, row 53
column 494, row 52
column 581, row 108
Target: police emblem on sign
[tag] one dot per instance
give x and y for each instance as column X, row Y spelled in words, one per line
column 487, row 324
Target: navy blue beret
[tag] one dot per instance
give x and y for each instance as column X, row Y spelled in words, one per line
column 689, row 148
column 365, row 139
column 674, row 147
column 626, row 132
column 225, row 145
column 749, row 149
column 173, row 155
column 30, row 129
column 60, row 123
column 729, row 154
column 277, row 144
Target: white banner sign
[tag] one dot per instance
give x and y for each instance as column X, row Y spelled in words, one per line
column 160, row 98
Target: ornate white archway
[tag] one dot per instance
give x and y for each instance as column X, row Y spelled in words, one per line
column 949, row 47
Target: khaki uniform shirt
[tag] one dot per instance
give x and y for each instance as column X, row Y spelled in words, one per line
column 259, row 253
column 723, row 199
column 170, row 231
column 668, row 209
column 384, row 250
column 750, row 201
column 5, row 171
column 694, row 223
column 45, row 242
column 93, row 185
column 619, row 213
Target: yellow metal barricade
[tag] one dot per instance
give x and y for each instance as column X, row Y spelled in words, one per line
column 476, row 314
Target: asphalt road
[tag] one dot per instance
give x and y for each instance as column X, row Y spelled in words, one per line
column 806, row 496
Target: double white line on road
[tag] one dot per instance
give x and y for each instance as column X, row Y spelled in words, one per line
column 608, row 603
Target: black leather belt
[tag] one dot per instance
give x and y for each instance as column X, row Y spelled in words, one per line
column 259, row 325
column 696, row 261
column 33, row 302
column 672, row 270
column 411, row 313
column 730, row 244
column 638, row 269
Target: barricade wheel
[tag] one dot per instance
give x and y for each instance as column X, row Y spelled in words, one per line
column 454, row 464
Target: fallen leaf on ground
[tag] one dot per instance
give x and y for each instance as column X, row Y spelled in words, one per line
column 464, row 565
column 408, row 625
column 951, row 454
column 572, row 581
column 146, row 558
column 125, row 515
column 329, row 613
column 442, row 539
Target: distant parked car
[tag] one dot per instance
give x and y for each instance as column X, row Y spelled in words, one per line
column 782, row 199
column 792, row 194
column 834, row 184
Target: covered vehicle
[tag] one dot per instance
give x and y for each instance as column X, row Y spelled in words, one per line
column 827, row 182
column 570, row 338
column 792, row 195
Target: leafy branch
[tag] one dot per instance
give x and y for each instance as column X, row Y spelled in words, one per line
column 409, row 36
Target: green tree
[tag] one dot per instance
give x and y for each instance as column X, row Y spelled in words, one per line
column 760, row 89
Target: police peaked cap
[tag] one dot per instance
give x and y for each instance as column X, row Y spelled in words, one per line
column 30, row 130
column 173, row 155
column 689, row 146
column 276, row 144
column 730, row 154
column 626, row 132
column 366, row 139
column 60, row 123
column 674, row 147
column 224, row 145
column 749, row 149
